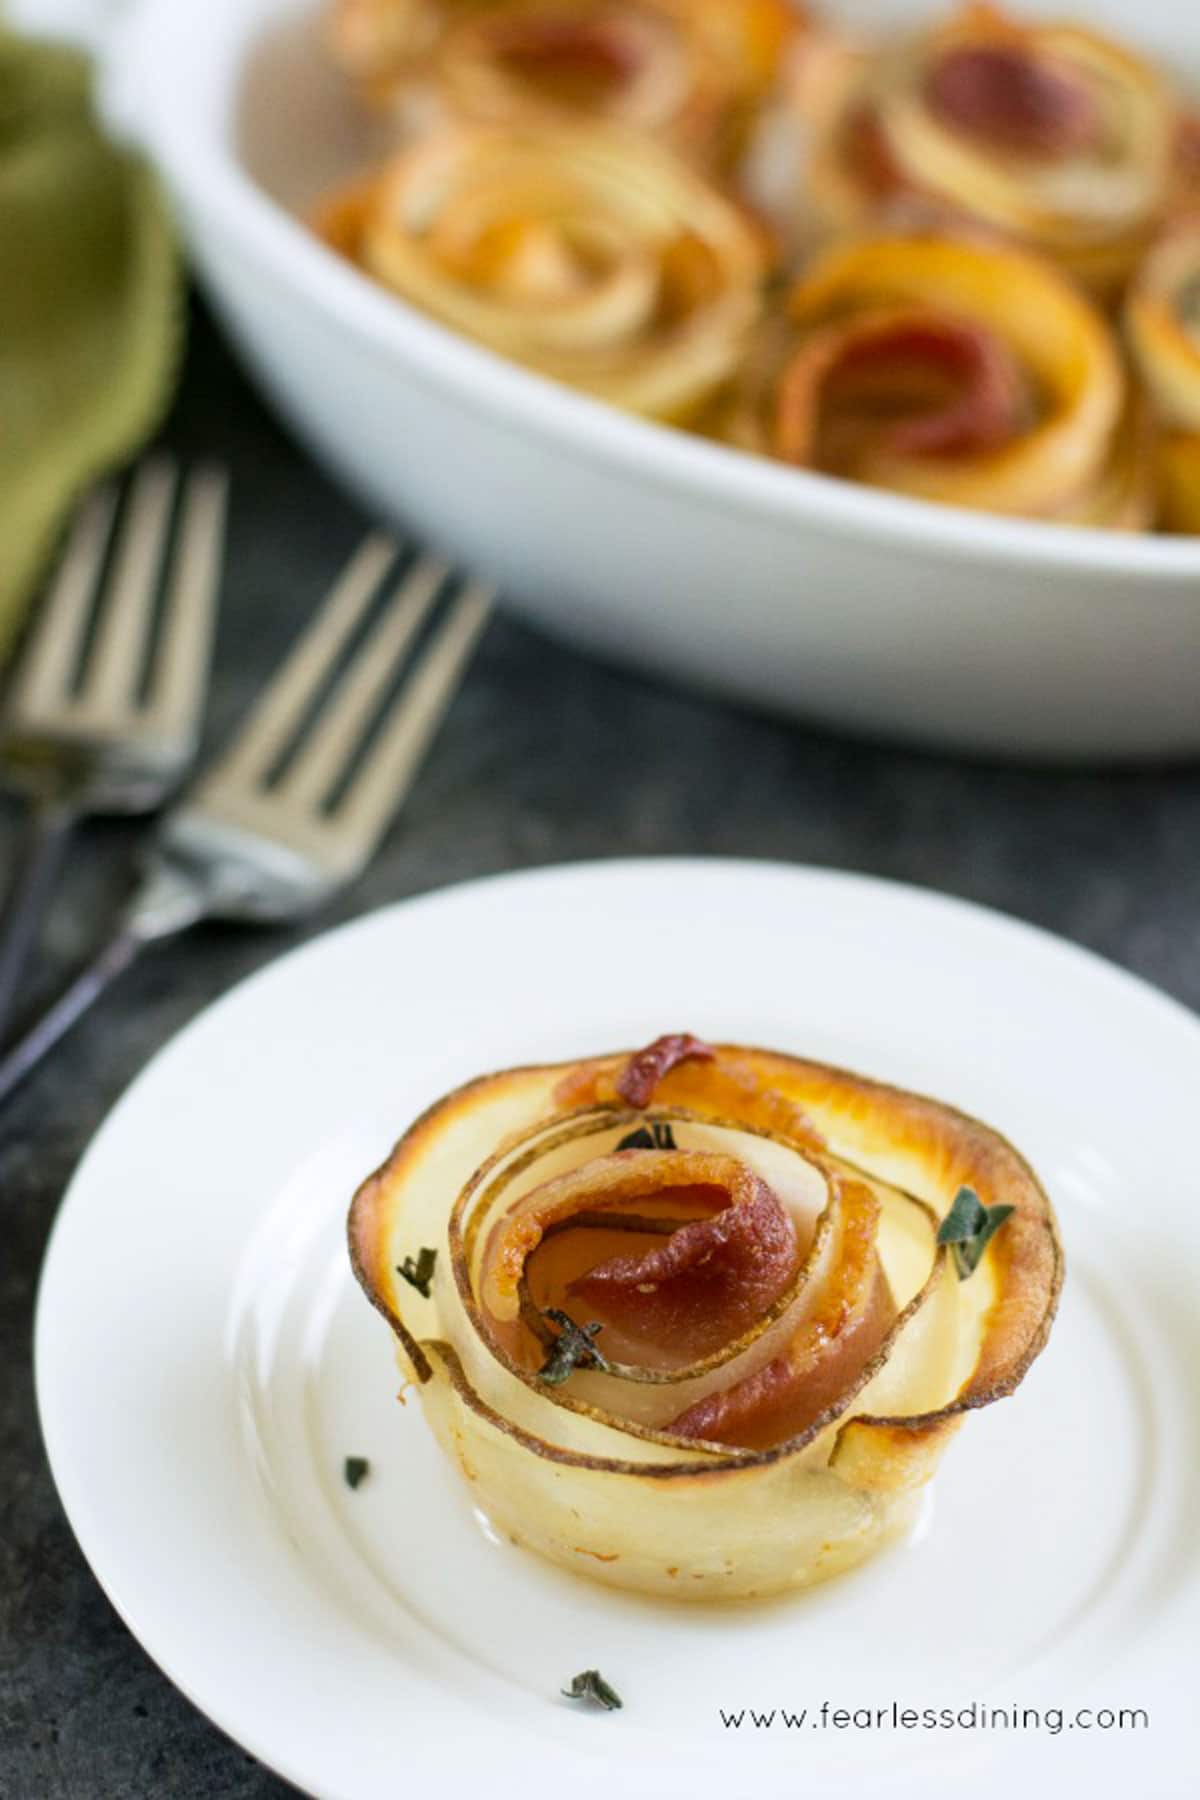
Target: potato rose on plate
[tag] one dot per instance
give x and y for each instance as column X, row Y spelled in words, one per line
column 1163, row 326
column 950, row 370
column 700, row 1320
column 1048, row 134
column 589, row 255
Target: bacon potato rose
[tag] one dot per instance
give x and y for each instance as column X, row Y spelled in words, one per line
column 700, row 1321
column 950, row 370
column 1047, row 134
column 593, row 257
column 687, row 71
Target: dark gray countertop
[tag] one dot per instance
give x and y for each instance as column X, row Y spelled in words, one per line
column 545, row 758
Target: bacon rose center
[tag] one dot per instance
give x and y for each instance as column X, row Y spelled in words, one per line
column 701, row 1286
column 1012, row 98
column 573, row 60
column 918, row 384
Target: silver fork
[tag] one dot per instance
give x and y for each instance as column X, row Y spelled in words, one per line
column 295, row 807
column 116, row 735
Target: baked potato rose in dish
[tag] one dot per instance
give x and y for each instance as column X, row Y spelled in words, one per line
column 1163, row 327
column 700, row 1320
column 969, row 373
column 687, row 71
column 1048, row 134
column 593, row 257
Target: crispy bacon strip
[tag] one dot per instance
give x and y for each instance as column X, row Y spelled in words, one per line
column 1013, row 99
column 784, row 1397
column 725, row 1087
column 646, row 1068
column 1185, row 165
column 829, row 1346
column 627, row 1178
column 580, row 49
column 710, row 1281
column 958, row 385
column 987, row 408
column 866, row 148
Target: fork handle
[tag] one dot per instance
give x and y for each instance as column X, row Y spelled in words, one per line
column 57, row 1020
column 49, row 825
column 169, row 901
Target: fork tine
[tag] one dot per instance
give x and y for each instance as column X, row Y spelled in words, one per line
column 180, row 672
column 381, row 784
column 48, row 665
column 281, row 709
column 110, row 679
column 359, row 694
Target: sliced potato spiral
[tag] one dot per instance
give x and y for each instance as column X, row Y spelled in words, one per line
column 588, row 255
column 1050, row 135
column 689, row 71
column 960, row 372
column 699, row 1334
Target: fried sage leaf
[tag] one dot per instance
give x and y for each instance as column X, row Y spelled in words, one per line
column 969, row 1228
column 591, row 1685
column 573, row 1348
column 419, row 1274
column 659, row 1136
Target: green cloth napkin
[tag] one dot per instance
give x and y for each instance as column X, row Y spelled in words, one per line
column 90, row 304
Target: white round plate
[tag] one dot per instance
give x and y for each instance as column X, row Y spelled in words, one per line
column 205, row 1364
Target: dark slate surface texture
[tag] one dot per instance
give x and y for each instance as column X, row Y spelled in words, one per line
column 1111, row 860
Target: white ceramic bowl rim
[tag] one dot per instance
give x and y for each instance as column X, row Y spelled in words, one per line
column 205, row 171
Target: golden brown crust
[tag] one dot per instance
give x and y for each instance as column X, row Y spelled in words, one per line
column 365, row 1234
column 892, row 1456
column 947, row 1146
column 1179, row 479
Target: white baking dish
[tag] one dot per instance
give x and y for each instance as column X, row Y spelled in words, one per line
column 785, row 588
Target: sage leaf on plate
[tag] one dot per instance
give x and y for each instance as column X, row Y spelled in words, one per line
column 591, row 1685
